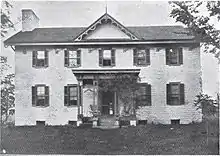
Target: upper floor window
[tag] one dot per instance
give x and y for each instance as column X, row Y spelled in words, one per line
column 40, row 95
column 141, row 57
column 40, row 58
column 143, row 97
column 70, row 95
column 107, row 57
column 72, row 58
column 175, row 93
column 174, row 56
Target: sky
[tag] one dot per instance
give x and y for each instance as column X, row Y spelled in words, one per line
column 128, row 13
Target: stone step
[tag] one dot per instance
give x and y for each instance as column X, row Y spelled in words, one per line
column 107, row 127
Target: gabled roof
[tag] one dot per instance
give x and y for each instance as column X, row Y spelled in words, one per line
column 104, row 19
column 73, row 34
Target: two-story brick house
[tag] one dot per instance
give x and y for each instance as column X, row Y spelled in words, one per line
column 57, row 70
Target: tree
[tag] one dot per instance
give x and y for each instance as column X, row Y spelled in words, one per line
column 6, row 22
column 209, row 108
column 200, row 18
column 126, row 86
column 7, row 94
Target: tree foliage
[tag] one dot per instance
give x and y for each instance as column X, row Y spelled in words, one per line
column 7, row 93
column 207, row 104
column 6, row 22
column 125, row 85
column 200, row 17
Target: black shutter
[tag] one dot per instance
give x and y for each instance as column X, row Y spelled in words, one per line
column 182, row 94
column 34, row 58
column 34, row 95
column 180, row 55
column 135, row 56
column 47, row 95
column 147, row 51
column 167, row 56
column 65, row 95
column 168, row 94
column 149, row 94
column 100, row 57
column 79, row 58
column 66, row 58
column 113, row 57
column 46, row 58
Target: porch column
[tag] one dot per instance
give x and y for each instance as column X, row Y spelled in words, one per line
column 79, row 96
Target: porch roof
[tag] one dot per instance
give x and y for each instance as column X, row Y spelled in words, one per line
column 92, row 73
column 105, row 71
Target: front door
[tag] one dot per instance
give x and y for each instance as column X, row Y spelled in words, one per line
column 107, row 103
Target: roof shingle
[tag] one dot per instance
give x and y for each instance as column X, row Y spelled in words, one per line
column 68, row 34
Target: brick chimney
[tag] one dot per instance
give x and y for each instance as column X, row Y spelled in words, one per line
column 30, row 21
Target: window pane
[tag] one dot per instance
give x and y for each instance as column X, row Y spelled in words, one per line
column 173, row 56
column 73, row 91
column 174, row 89
column 41, row 90
column 141, row 54
column 40, row 102
column 174, row 100
column 40, row 55
column 107, row 54
column 72, row 62
column 72, row 54
column 73, row 102
column 106, row 62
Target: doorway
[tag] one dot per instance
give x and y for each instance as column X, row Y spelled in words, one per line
column 107, row 103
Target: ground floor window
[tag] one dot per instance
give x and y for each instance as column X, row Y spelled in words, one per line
column 143, row 97
column 175, row 93
column 70, row 95
column 40, row 95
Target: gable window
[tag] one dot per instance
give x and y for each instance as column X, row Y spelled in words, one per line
column 107, row 57
column 141, row 57
column 70, row 95
column 175, row 93
column 40, row 95
column 174, row 56
column 143, row 97
column 40, row 58
column 72, row 58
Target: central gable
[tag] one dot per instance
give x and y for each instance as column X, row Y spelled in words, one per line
column 107, row 31
column 106, row 27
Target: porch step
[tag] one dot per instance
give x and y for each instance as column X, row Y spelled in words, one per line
column 108, row 127
column 108, row 122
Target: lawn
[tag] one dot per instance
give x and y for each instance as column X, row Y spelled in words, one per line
column 143, row 139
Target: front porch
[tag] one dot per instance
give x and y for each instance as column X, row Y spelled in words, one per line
column 104, row 105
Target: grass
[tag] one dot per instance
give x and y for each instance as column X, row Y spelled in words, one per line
column 143, row 139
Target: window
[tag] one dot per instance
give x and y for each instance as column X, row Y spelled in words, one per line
column 174, row 56
column 40, row 58
column 107, row 57
column 141, row 57
column 70, row 95
column 175, row 122
column 40, row 95
column 72, row 58
column 175, row 93
column 144, row 95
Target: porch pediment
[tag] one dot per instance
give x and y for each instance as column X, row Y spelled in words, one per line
column 106, row 28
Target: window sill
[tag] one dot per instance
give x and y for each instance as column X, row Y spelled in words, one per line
column 175, row 105
column 73, row 106
column 145, row 65
column 39, row 67
column 174, row 64
column 72, row 66
column 107, row 66
column 40, row 106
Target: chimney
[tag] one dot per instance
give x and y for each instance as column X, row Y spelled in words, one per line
column 30, row 21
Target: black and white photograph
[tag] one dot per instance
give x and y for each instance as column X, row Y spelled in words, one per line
column 110, row 77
